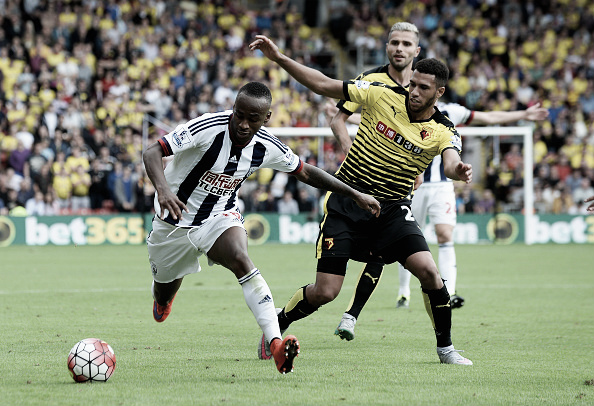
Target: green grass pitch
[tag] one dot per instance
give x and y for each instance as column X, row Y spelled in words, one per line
column 528, row 326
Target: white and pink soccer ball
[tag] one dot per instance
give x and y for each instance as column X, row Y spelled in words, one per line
column 91, row 360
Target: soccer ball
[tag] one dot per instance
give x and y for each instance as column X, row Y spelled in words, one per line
column 91, row 360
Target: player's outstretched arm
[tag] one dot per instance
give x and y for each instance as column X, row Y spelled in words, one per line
column 454, row 168
column 153, row 162
column 591, row 206
column 314, row 80
column 316, row 177
column 532, row 113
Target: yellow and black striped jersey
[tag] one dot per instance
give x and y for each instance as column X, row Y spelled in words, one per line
column 379, row 74
column 391, row 148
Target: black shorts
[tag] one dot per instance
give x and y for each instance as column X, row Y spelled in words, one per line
column 347, row 231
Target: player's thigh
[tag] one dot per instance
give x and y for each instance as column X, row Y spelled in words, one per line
column 230, row 250
column 171, row 253
column 442, row 205
column 422, row 266
column 345, row 230
column 400, row 250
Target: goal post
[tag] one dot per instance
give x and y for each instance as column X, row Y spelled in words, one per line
column 492, row 131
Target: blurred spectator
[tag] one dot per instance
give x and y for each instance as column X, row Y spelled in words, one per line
column 75, row 160
column 26, row 190
column 19, row 157
column 486, row 203
column 583, row 191
column 287, row 204
column 35, row 161
column 35, row 206
column 125, row 190
column 81, row 183
column 62, row 185
column 98, row 190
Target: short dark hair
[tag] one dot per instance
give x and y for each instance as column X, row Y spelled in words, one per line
column 257, row 90
column 432, row 66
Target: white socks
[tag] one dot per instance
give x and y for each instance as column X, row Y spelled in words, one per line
column 259, row 299
column 404, row 281
column 447, row 265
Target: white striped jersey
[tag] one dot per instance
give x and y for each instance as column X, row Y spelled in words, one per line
column 207, row 169
column 458, row 115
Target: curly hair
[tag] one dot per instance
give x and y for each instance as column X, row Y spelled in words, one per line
column 432, row 66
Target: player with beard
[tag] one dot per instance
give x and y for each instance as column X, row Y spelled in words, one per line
column 435, row 197
column 400, row 133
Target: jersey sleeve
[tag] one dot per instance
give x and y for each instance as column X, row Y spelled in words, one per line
column 362, row 92
column 347, row 107
column 449, row 138
column 286, row 161
column 176, row 141
column 182, row 138
column 279, row 156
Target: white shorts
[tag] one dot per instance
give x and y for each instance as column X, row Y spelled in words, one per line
column 436, row 200
column 174, row 251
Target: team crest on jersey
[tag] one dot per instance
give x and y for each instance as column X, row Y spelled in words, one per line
column 181, row 139
column 329, row 243
column 426, row 133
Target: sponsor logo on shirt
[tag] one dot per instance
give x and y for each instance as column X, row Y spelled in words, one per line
column 180, row 139
column 391, row 134
column 218, row 184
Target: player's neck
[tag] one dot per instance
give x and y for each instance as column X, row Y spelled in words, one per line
column 402, row 77
column 422, row 115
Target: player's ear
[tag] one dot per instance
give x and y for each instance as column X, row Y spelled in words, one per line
column 440, row 91
column 418, row 51
column 267, row 119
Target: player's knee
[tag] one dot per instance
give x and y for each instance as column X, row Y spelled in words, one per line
column 426, row 273
column 321, row 295
column 239, row 263
column 444, row 233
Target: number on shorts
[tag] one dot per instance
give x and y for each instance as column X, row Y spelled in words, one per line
column 409, row 215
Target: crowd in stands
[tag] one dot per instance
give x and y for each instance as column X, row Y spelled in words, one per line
column 78, row 77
